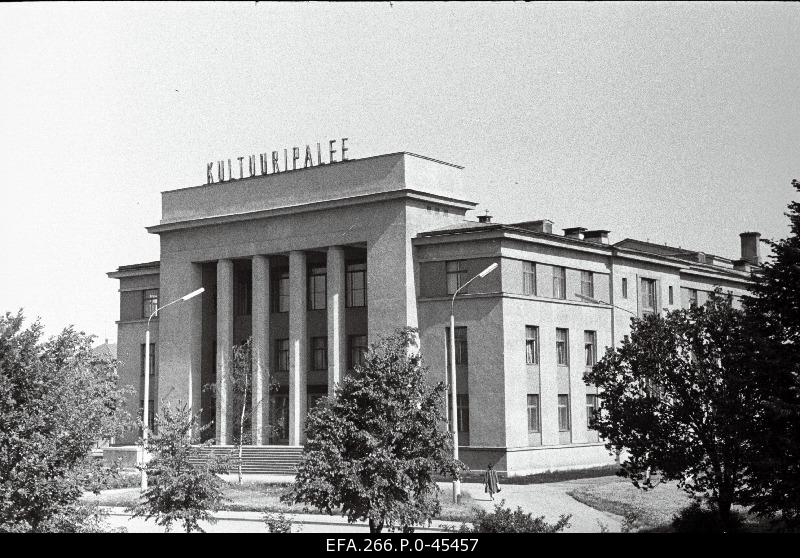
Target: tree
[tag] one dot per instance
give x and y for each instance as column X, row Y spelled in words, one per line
column 57, row 399
column 677, row 395
column 179, row 490
column 373, row 449
column 773, row 313
column 241, row 373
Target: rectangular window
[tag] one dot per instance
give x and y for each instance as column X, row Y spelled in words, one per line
column 462, row 412
column 317, row 288
column 670, row 295
column 533, row 412
column 280, row 292
column 357, row 350
column 456, row 275
column 562, row 347
column 356, row 285
column 692, row 297
column 531, row 345
column 151, row 413
column 649, row 295
column 563, row 412
column 149, row 302
column 319, row 353
column 624, row 287
column 587, row 284
column 590, row 347
column 279, row 418
column 559, row 282
column 282, row 355
column 243, row 300
column 528, row 278
column 152, row 360
column 461, row 346
column 591, row 408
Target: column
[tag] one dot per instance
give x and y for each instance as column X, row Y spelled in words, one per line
column 261, row 366
column 224, row 347
column 196, row 339
column 336, row 299
column 298, row 349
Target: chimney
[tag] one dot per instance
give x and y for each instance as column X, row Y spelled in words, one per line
column 751, row 247
column 485, row 218
column 599, row 236
column 542, row 226
column 574, row 232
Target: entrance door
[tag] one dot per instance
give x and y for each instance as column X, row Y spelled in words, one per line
column 279, row 420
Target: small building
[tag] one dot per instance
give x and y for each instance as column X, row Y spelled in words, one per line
column 316, row 263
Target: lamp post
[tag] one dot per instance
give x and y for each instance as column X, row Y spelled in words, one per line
column 595, row 301
column 453, row 399
column 146, row 404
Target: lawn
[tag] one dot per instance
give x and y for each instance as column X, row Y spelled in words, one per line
column 543, row 478
column 259, row 496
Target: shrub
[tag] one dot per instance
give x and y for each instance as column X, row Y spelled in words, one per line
column 278, row 523
column 504, row 520
column 696, row 518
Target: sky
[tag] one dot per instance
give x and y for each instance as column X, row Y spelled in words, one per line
column 673, row 122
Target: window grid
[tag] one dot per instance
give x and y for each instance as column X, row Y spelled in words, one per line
column 649, row 295
column 531, row 345
column 281, row 292
column 587, row 284
column 152, row 360
column 624, row 287
column 692, row 297
column 563, row 412
column 670, row 295
column 319, row 353
column 317, row 288
column 559, row 282
column 462, row 412
column 562, row 347
column 533, row 413
column 456, row 272
column 590, row 347
column 462, row 352
column 591, row 408
column 356, row 285
column 357, row 350
column 529, row 278
column 282, row 355
column 149, row 302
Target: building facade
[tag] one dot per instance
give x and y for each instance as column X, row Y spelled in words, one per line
column 315, row 264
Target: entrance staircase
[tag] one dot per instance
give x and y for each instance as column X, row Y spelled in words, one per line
column 262, row 460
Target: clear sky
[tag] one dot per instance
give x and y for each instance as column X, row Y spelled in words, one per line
column 678, row 123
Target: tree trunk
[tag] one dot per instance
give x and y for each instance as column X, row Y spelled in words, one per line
column 375, row 527
column 724, row 507
column 241, row 431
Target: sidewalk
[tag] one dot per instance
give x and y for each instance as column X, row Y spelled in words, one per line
column 252, row 522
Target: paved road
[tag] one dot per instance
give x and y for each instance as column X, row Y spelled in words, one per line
column 251, row 522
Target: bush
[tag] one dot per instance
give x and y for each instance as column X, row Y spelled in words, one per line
column 504, row 520
column 278, row 523
column 697, row 518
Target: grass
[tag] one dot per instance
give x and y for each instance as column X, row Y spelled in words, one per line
column 543, row 478
column 265, row 497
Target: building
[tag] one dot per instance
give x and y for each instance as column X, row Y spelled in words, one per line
column 316, row 263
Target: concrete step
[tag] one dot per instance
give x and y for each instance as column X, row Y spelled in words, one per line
column 256, row 459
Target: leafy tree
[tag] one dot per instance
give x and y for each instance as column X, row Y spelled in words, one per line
column 504, row 520
column 677, row 396
column 178, row 490
column 373, row 449
column 57, row 399
column 774, row 318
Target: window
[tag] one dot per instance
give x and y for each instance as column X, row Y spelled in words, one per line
column 531, row 345
column 280, row 292
column 648, row 295
column 528, row 278
column 730, row 298
column 590, row 347
column 456, row 272
column 151, row 413
column 313, row 399
column 562, row 347
column 317, row 289
column 149, row 302
column 692, row 297
column 461, row 346
column 533, row 412
column 243, row 300
column 319, row 353
column 356, row 285
column 462, row 412
column 152, row 360
column 563, row 412
column 591, row 408
column 587, row 284
column 670, row 294
column 624, row 287
column 282, row 355
column 559, row 282
column 279, row 417
column 357, row 349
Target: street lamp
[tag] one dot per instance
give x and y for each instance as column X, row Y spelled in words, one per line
column 596, row 301
column 146, row 405
column 453, row 421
